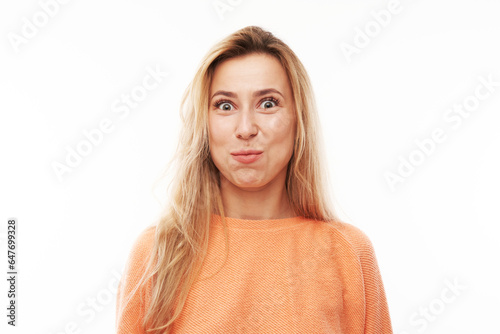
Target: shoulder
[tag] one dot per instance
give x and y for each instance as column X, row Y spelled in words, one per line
column 143, row 243
column 141, row 248
column 145, row 238
column 133, row 293
column 351, row 236
column 137, row 258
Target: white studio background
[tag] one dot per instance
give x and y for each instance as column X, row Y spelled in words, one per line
column 409, row 98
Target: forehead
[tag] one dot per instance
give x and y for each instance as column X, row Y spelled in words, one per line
column 253, row 71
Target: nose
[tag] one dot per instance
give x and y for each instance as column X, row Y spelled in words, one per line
column 246, row 124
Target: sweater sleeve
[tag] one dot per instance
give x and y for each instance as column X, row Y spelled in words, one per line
column 130, row 314
column 377, row 312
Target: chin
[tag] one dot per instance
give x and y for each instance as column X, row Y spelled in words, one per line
column 249, row 185
column 250, row 188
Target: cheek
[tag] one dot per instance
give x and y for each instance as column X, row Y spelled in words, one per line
column 218, row 138
column 283, row 128
column 212, row 131
column 282, row 137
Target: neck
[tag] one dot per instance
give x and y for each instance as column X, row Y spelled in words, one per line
column 268, row 202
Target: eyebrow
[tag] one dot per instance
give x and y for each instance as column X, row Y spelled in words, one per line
column 255, row 94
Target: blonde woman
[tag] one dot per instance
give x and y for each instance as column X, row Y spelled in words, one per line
column 249, row 242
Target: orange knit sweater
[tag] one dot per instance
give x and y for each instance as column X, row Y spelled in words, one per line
column 290, row 275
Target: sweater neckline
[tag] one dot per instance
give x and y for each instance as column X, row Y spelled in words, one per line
column 258, row 224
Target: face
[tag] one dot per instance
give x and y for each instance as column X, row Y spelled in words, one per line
column 251, row 108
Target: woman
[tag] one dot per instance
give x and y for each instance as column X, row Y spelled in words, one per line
column 249, row 242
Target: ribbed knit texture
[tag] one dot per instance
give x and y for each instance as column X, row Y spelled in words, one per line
column 290, row 275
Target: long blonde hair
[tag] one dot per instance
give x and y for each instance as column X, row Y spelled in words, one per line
column 182, row 231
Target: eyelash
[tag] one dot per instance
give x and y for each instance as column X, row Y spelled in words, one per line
column 270, row 98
